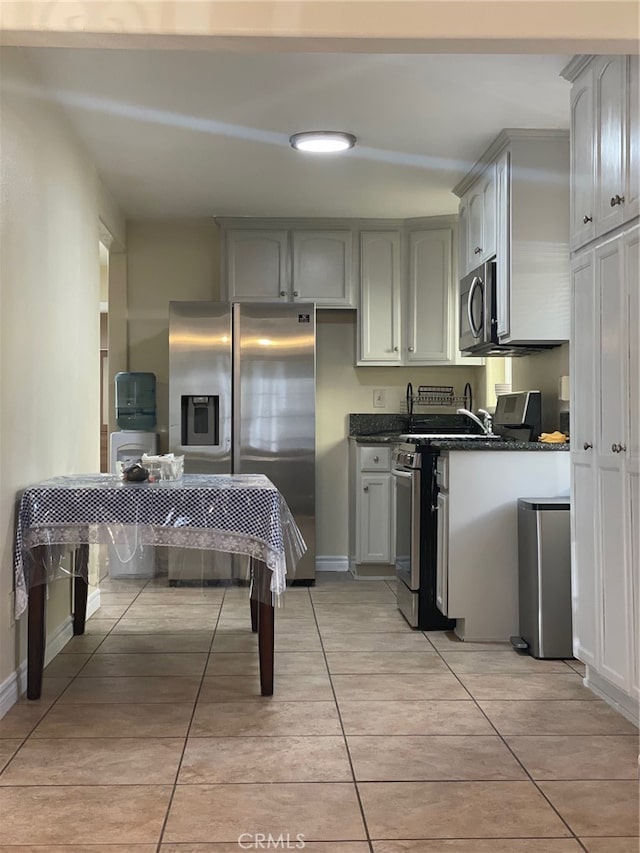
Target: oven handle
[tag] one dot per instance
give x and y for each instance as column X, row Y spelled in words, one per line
column 401, row 475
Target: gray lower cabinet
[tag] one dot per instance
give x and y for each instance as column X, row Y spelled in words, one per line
column 371, row 510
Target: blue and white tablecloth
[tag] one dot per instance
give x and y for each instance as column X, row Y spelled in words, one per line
column 241, row 514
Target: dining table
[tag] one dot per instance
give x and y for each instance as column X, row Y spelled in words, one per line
column 230, row 513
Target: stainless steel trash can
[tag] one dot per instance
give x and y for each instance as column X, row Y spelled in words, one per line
column 544, row 576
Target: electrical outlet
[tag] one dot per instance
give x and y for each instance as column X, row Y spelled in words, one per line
column 379, row 400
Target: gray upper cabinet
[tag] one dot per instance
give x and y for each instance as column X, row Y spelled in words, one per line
column 287, row 264
column 322, row 267
column 256, row 265
column 605, row 182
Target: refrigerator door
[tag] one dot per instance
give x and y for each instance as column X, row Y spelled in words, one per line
column 274, row 407
column 200, row 418
column 200, row 385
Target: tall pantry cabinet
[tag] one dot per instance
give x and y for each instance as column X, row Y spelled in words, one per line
column 605, row 371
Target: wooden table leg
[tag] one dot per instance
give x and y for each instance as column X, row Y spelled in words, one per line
column 35, row 629
column 265, row 629
column 253, row 598
column 80, row 588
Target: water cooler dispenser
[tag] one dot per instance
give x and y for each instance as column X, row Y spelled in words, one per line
column 136, row 417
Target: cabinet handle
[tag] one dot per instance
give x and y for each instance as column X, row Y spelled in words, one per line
column 411, row 349
column 587, row 445
column 365, row 488
column 586, row 219
column 618, row 448
column 376, row 458
column 617, row 199
column 395, row 349
column 295, row 292
column 477, row 250
column 283, row 293
column 614, row 448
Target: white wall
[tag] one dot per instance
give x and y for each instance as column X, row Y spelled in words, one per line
column 166, row 260
column 49, row 318
column 541, row 372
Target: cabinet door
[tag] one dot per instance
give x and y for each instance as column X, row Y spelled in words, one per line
column 323, row 267
column 442, row 558
column 379, row 317
column 256, row 266
column 632, row 167
column 582, row 160
column 611, row 379
column 631, row 267
column 488, row 182
column 374, row 519
column 584, row 522
column 475, row 207
column 610, row 101
column 463, row 239
column 503, row 243
column 429, row 315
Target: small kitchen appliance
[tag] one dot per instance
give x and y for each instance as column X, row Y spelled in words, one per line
column 518, row 415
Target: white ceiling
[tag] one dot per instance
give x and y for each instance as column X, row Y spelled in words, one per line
column 191, row 134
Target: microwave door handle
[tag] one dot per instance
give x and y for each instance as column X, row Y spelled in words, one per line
column 477, row 282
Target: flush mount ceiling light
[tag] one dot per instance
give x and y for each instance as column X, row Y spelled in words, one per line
column 322, row 141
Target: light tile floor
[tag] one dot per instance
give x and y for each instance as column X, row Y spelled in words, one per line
column 152, row 737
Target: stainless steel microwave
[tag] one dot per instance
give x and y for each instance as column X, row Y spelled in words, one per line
column 477, row 309
column 479, row 316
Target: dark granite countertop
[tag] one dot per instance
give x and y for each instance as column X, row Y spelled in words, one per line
column 495, row 444
column 377, row 438
column 478, row 444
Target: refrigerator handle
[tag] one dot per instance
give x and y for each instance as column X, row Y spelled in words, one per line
column 235, row 388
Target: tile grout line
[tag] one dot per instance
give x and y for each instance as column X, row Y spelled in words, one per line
column 531, row 779
column 344, row 735
column 71, row 680
column 186, row 737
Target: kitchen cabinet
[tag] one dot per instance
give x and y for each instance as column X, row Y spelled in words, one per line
column 290, row 264
column 372, row 539
column 380, row 315
column 477, row 547
column 479, row 205
column 605, row 177
column 605, row 451
column 515, row 203
column 605, row 457
column 408, row 311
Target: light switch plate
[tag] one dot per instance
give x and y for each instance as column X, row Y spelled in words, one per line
column 379, row 400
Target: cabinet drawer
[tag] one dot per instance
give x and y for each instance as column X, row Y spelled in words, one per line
column 375, row 458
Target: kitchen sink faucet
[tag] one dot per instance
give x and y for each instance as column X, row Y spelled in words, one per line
column 486, row 424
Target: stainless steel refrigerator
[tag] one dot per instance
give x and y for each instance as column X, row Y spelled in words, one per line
column 242, row 401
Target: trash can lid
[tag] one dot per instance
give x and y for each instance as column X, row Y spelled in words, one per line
column 557, row 503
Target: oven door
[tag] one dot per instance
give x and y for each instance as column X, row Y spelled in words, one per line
column 407, row 486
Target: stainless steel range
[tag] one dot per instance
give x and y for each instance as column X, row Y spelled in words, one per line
column 414, row 473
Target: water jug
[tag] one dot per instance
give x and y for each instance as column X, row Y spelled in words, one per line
column 136, row 401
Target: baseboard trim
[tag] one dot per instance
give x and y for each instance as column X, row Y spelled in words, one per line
column 332, row 564
column 15, row 684
column 93, row 602
column 613, row 696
